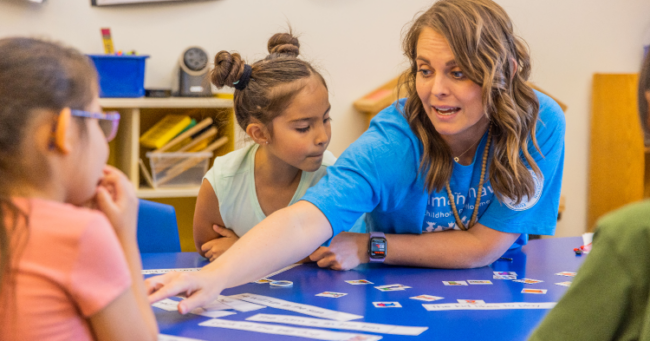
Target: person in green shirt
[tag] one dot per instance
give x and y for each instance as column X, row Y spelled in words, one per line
column 609, row 298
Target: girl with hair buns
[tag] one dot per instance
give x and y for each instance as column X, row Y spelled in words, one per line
column 282, row 103
column 450, row 177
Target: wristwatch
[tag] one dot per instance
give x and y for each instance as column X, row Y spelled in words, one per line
column 377, row 247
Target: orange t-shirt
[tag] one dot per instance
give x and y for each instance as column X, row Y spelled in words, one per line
column 71, row 267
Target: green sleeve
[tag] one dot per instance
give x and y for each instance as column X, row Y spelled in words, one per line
column 594, row 306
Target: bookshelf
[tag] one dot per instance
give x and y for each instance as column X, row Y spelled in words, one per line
column 140, row 114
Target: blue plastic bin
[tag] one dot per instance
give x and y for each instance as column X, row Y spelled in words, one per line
column 120, row 76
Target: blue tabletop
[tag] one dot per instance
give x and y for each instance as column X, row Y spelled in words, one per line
column 540, row 259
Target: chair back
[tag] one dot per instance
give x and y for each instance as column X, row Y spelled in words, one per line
column 157, row 228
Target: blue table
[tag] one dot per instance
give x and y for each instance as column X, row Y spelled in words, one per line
column 540, row 259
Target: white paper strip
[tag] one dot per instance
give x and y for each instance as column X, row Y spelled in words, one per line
column 309, row 333
column 238, row 304
column 360, row 326
column 280, row 271
column 163, row 337
column 488, row 306
column 217, row 305
column 297, row 307
column 164, row 271
column 166, row 304
column 171, row 305
column 211, row 313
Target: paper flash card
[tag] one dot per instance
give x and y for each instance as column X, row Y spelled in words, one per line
column 534, row 291
column 528, row 281
column 331, row 294
column 387, row 304
column 359, row 282
column 454, row 283
column 505, row 273
column 426, row 298
column 478, row 282
column 566, row 273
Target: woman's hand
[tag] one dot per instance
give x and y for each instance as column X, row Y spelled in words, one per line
column 346, row 251
column 116, row 198
column 216, row 247
column 200, row 288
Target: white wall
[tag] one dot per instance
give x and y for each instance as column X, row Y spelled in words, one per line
column 357, row 45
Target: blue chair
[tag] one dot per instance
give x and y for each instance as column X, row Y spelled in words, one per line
column 157, row 228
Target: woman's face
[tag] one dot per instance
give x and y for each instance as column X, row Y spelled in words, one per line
column 452, row 101
column 302, row 133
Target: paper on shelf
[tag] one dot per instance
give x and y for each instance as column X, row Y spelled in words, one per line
column 319, row 323
column 309, row 333
column 297, row 307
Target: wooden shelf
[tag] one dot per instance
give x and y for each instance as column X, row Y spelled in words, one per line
column 176, row 192
column 140, row 114
column 171, row 102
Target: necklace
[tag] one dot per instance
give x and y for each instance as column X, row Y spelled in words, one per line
column 472, row 221
column 457, row 158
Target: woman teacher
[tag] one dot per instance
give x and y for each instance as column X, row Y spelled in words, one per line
column 452, row 176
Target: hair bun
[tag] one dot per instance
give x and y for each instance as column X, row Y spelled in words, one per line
column 284, row 43
column 228, row 68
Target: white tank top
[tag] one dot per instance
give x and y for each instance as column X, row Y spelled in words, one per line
column 232, row 177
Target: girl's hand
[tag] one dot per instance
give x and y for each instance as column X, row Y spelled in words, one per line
column 216, row 247
column 346, row 251
column 200, row 288
column 116, row 198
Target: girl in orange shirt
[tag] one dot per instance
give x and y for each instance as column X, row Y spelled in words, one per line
column 66, row 272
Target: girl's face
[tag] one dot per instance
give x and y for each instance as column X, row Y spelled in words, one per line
column 452, row 101
column 302, row 133
column 89, row 158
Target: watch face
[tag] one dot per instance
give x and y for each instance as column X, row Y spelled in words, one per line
column 377, row 247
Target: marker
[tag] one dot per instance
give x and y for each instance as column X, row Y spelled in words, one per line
column 108, row 41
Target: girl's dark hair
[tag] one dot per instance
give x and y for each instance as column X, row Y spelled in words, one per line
column 644, row 86
column 481, row 37
column 36, row 78
column 274, row 81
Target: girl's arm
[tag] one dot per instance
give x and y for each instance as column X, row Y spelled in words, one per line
column 128, row 317
column 211, row 237
column 284, row 237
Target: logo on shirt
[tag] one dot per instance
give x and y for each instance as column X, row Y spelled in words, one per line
column 525, row 202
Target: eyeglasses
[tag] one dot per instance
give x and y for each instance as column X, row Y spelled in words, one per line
column 108, row 122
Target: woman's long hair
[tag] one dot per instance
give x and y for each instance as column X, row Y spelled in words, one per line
column 480, row 35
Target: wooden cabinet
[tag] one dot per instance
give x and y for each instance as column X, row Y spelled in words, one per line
column 618, row 160
column 140, row 114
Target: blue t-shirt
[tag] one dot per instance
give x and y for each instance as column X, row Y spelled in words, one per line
column 379, row 174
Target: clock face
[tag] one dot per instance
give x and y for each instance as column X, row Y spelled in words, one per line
column 195, row 59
